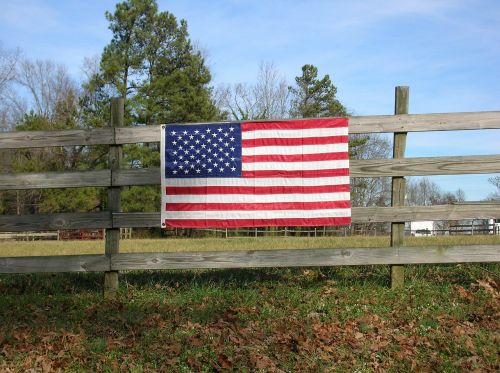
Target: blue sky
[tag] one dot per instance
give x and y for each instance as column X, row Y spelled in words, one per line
column 447, row 51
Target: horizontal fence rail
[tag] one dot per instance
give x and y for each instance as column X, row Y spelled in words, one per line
column 113, row 178
column 41, row 222
column 361, row 124
column 424, row 166
column 252, row 259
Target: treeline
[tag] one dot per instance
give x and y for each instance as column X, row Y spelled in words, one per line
column 151, row 62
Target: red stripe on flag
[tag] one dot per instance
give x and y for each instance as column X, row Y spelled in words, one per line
column 250, row 143
column 236, row 223
column 295, row 124
column 258, row 206
column 299, row 173
column 295, row 157
column 202, row 190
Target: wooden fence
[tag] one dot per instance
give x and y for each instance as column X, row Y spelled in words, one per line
column 116, row 177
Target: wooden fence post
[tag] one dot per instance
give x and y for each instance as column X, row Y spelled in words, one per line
column 398, row 184
column 112, row 244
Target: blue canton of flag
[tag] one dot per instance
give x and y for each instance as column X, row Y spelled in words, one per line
column 206, row 150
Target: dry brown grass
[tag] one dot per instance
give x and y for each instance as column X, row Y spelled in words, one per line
column 47, row 248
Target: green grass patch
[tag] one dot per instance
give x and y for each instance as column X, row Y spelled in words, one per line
column 341, row 319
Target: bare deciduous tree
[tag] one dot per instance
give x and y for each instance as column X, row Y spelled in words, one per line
column 267, row 99
column 8, row 63
column 495, row 181
column 371, row 191
column 49, row 86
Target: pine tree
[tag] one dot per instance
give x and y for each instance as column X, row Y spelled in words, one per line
column 150, row 62
column 313, row 97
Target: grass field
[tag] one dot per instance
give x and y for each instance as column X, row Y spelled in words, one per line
column 41, row 248
column 342, row 319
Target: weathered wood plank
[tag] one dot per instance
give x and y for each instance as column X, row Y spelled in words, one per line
column 130, row 135
column 363, row 168
column 53, row 222
column 307, row 258
column 66, row 263
column 425, row 122
column 112, row 244
column 359, row 214
column 42, row 139
column 136, row 220
column 416, row 213
column 357, row 124
column 422, row 166
column 482, row 164
column 41, row 222
column 253, row 259
column 401, row 106
column 138, row 176
column 367, row 124
column 42, row 180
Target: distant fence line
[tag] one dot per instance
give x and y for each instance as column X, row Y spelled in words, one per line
column 116, row 176
column 126, row 233
column 64, row 235
column 330, row 231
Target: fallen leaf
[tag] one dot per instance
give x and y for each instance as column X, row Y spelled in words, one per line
column 176, row 348
column 464, row 293
column 359, row 335
column 91, row 310
column 489, row 286
column 261, row 361
column 195, row 341
column 224, row 361
column 327, row 291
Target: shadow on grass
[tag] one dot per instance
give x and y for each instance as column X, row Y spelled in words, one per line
column 377, row 276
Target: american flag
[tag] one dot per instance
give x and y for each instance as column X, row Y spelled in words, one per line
column 254, row 174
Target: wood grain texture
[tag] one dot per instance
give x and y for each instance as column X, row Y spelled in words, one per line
column 53, row 222
column 366, row 124
column 425, row 122
column 417, row 213
column 112, row 240
column 115, row 155
column 137, row 220
column 483, row 164
column 359, row 214
column 139, row 176
column 47, row 222
column 66, row 263
column 357, row 124
column 252, row 259
column 306, row 258
column 401, row 106
column 46, row 180
column 129, row 135
column 42, row 139
column 422, row 166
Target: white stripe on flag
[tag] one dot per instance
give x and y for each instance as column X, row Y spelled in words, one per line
column 294, row 166
column 288, row 134
column 260, row 214
column 256, row 198
column 301, row 149
column 256, row 182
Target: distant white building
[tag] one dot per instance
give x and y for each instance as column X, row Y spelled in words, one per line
column 421, row 228
column 494, row 225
